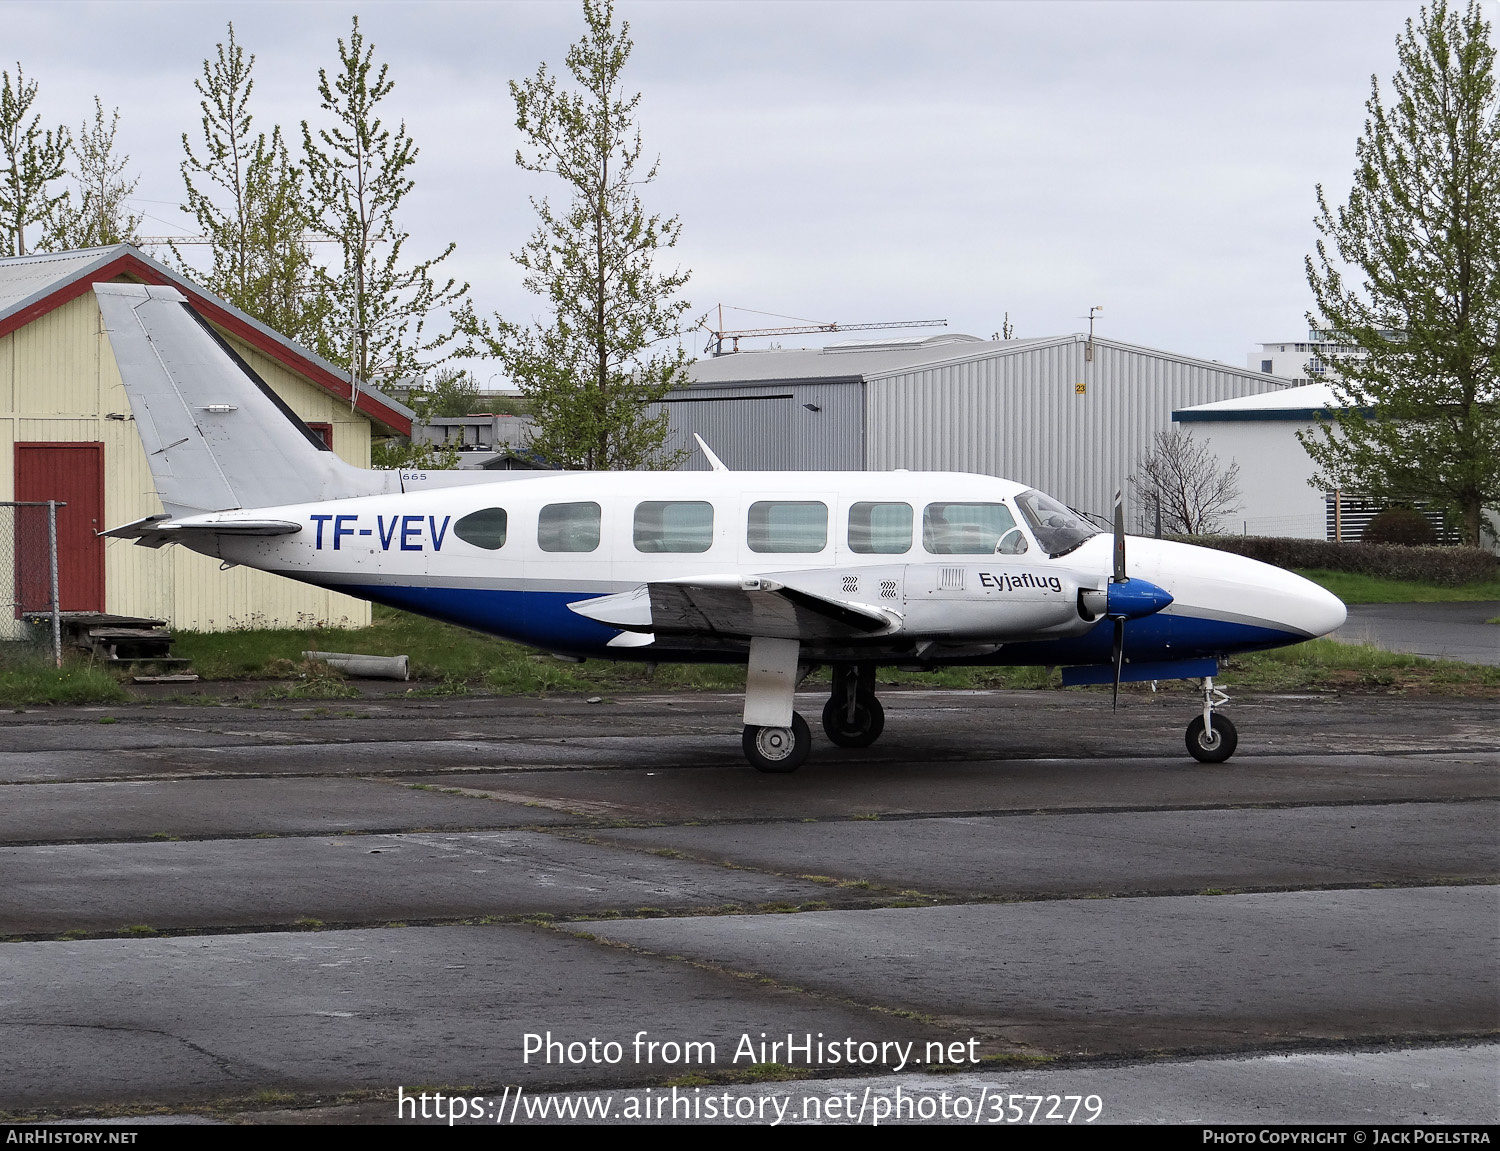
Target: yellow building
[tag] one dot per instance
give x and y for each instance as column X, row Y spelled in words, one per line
column 67, row 425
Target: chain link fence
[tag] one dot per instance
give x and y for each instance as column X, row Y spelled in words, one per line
column 28, row 574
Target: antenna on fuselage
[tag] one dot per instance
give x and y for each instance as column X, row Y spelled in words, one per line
column 714, row 461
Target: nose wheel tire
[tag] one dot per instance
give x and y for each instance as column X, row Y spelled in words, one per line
column 1215, row 749
column 865, row 729
column 778, row 749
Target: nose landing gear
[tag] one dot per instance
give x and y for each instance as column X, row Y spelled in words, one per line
column 853, row 717
column 1211, row 738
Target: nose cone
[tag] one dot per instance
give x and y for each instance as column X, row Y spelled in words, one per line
column 1235, row 591
column 1324, row 611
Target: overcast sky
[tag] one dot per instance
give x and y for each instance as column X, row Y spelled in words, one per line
column 836, row 161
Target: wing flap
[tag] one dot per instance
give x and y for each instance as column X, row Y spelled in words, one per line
column 757, row 607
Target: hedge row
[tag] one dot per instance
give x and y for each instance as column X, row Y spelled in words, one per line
column 1452, row 567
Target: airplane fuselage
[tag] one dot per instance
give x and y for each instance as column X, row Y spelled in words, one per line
column 918, row 547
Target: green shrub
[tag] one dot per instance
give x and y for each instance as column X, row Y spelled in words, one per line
column 1449, row 566
column 1400, row 526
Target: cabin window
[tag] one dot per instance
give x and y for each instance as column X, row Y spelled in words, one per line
column 880, row 529
column 965, row 529
column 682, row 526
column 791, row 526
column 484, row 529
column 568, row 527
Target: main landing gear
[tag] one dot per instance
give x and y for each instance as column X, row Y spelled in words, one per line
column 1211, row 738
column 853, row 717
column 776, row 738
column 777, row 749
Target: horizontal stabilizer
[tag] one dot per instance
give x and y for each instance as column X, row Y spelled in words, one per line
column 757, row 607
column 153, row 531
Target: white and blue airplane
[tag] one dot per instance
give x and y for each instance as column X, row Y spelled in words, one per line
column 780, row 570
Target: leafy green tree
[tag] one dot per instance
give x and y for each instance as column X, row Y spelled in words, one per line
column 1420, row 236
column 246, row 195
column 592, row 374
column 395, row 454
column 359, row 172
column 31, row 161
column 450, row 392
column 100, row 216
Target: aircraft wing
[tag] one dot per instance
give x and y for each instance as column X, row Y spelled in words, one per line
column 737, row 608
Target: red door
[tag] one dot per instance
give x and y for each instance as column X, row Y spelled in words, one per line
column 71, row 474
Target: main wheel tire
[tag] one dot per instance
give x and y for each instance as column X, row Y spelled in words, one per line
column 1216, row 750
column 869, row 721
column 778, row 749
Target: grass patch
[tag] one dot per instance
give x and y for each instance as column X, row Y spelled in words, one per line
column 1354, row 588
column 457, row 658
column 27, row 676
column 1327, row 663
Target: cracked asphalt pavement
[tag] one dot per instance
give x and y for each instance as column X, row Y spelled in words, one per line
column 288, row 910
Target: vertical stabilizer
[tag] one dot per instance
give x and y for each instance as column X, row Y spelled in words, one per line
column 216, row 436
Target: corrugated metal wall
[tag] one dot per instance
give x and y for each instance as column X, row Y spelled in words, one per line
column 770, row 427
column 59, row 382
column 1021, row 415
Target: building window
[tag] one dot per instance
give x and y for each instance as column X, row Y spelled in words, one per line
column 1265, row 366
column 880, row 529
column 686, row 526
column 568, row 527
column 793, row 526
column 324, row 432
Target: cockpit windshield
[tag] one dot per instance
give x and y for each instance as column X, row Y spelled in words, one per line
column 1057, row 527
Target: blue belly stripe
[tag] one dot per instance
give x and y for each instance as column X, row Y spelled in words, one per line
column 1155, row 638
column 536, row 618
column 541, row 619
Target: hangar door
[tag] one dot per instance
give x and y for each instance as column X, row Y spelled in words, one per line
column 749, row 433
column 71, row 474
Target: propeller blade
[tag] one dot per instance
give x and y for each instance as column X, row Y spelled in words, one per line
column 1119, row 576
column 1119, row 659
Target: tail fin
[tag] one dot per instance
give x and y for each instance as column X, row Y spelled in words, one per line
column 216, row 436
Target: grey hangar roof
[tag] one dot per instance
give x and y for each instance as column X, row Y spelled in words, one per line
column 1039, row 411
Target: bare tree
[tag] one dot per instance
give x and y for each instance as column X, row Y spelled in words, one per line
column 1181, row 479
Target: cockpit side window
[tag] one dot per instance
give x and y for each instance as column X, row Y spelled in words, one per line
column 568, row 527
column 1057, row 527
column 484, row 529
column 965, row 529
column 880, row 529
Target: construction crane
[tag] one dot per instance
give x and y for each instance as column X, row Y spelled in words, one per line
column 717, row 336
